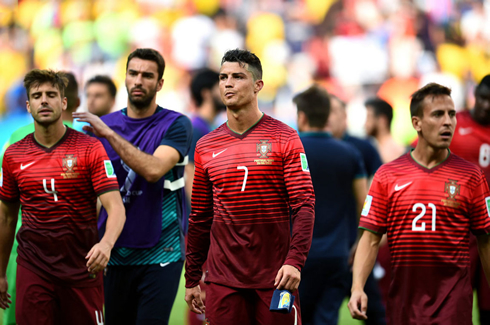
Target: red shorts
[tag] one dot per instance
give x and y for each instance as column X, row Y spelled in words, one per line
column 226, row 305
column 41, row 302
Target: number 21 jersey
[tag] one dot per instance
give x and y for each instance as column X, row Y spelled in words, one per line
column 427, row 215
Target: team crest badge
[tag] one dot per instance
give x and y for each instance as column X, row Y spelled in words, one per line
column 452, row 189
column 70, row 164
column 263, row 148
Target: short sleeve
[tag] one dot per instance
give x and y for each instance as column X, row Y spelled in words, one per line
column 179, row 136
column 102, row 172
column 480, row 208
column 372, row 159
column 9, row 190
column 374, row 213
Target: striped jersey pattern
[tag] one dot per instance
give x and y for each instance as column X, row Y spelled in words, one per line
column 427, row 215
column 170, row 245
column 58, row 189
column 244, row 188
column 471, row 141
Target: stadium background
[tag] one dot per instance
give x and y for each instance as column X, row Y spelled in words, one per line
column 355, row 48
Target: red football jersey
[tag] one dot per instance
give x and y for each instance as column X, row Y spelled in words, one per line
column 244, row 188
column 427, row 215
column 58, row 189
column 471, row 141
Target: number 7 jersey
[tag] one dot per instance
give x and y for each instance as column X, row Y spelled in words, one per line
column 245, row 186
column 427, row 215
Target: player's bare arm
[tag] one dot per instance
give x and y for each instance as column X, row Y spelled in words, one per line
column 366, row 253
column 288, row 278
column 359, row 188
column 484, row 252
column 151, row 167
column 8, row 221
column 194, row 300
column 99, row 255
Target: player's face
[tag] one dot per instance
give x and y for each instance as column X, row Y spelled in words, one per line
column 337, row 119
column 438, row 122
column 237, row 86
column 142, row 82
column 481, row 111
column 99, row 99
column 371, row 122
column 45, row 103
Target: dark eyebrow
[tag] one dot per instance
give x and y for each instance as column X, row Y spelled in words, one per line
column 238, row 74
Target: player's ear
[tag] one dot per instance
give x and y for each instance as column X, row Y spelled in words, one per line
column 259, row 84
column 28, row 106
column 417, row 123
column 160, row 84
column 65, row 103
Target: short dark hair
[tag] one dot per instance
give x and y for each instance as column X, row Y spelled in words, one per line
column 203, row 79
column 380, row 107
column 105, row 80
column 485, row 81
column 37, row 77
column 245, row 57
column 71, row 91
column 315, row 103
column 150, row 55
column 434, row 89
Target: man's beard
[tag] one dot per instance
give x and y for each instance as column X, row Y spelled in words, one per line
column 145, row 100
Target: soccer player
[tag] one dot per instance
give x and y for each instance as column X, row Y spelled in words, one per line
column 57, row 174
column 148, row 146
column 250, row 172
column 378, row 125
column 427, row 201
column 338, row 176
column 72, row 103
column 101, row 95
column 471, row 141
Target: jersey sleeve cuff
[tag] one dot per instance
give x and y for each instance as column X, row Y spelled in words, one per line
column 294, row 263
column 105, row 190
column 481, row 231
column 372, row 228
column 9, row 199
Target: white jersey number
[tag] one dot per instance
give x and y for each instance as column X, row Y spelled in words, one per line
column 484, row 159
column 52, row 191
column 246, row 175
column 416, row 206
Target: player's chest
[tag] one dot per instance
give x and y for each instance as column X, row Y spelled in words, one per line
column 41, row 170
column 257, row 159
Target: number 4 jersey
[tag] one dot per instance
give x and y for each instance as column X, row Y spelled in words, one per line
column 427, row 215
column 58, row 189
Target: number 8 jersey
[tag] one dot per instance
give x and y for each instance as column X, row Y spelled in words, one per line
column 57, row 188
column 427, row 215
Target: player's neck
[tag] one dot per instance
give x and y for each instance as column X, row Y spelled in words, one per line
column 48, row 136
column 428, row 156
column 239, row 121
column 141, row 112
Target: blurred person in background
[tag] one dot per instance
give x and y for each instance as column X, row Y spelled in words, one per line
column 101, row 95
column 208, row 104
column 73, row 101
column 337, row 125
column 379, row 115
column 148, row 146
column 471, row 141
column 338, row 176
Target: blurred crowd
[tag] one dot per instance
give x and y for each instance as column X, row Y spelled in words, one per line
column 355, row 48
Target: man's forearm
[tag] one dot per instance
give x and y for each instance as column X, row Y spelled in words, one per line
column 140, row 162
column 8, row 223
column 366, row 253
column 116, row 218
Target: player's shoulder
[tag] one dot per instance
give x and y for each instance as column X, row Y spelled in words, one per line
column 460, row 164
column 212, row 137
column 275, row 127
column 400, row 166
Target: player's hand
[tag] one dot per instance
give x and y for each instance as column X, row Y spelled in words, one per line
column 97, row 126
column 358, row 305
column 194, row 301
column 98, row 257
column 4, row 295
column 288, row 278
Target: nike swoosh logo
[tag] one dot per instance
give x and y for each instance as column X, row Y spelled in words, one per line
column 397, row 188
column 216, row 154
column 164, row 264
column 22, row 167
column 465, row 131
